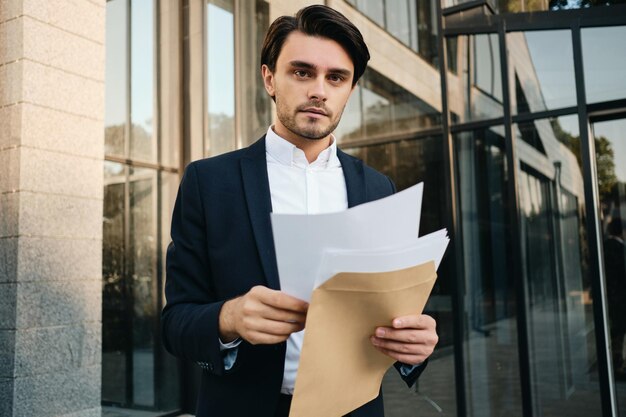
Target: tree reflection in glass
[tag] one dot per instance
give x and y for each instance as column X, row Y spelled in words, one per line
column 611, row 172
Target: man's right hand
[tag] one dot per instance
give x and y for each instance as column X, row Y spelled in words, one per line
column 262, row 316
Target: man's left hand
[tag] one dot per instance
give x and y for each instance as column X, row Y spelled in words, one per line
column 410, row 340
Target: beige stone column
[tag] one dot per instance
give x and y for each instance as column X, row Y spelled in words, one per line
column 51, row 179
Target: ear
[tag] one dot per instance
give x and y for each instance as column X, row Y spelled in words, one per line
column 268, row 80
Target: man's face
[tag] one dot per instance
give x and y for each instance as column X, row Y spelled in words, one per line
column 311, row 83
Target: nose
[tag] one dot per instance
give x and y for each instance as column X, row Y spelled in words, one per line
column 317, row 89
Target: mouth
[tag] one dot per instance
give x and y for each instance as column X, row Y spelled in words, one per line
column 314, row 110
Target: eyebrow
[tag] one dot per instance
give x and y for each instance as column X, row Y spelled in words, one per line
column 307, row 65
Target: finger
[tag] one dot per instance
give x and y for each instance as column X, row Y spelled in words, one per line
column 415, row 321
column 403, row 348
column 260, row 338
column 271, row 327
column 427, row 337
column 253, row 305
column 271, row 313
column 404, row 358
column 281, row 300
column 279, row 328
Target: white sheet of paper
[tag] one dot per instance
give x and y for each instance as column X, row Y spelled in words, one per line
column 427, row 248
column 301, row 240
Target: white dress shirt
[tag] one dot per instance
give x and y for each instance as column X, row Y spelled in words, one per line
column 297, row 187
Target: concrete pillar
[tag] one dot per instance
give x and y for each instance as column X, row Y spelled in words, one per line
column 51, row 187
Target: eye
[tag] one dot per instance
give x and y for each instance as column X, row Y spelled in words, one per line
column 336, row 78
column 301, row 73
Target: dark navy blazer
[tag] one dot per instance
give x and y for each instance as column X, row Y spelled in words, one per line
column 221, row 247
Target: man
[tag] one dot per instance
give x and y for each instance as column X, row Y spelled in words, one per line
column 225, row 309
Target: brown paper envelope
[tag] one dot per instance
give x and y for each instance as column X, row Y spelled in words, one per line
column 340, row 369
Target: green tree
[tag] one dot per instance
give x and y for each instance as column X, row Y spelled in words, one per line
column 605, row 157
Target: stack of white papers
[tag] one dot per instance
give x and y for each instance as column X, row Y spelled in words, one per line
column 379, row 236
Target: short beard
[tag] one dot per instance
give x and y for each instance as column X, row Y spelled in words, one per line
column 308, row 132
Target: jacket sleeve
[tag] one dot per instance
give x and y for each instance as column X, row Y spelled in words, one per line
column 190, row 319
column 414, row 371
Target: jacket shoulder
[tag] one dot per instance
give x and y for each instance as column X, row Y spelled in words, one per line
column 229, row 161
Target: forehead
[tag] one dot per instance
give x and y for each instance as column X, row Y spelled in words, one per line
column 318, row 51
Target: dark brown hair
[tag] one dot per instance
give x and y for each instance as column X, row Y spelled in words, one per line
column 317, row 20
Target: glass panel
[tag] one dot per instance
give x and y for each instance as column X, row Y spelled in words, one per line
column 563, row 359
column 407, row 163
column 170, row 381
column 450, row 3
column 520, row 6
column 425, row 28
column 131, row 299
column 351, row 124
column 131, row 353
column 604, row 59
column 142, row 273
column 397, row 13
column 372, row 9
column 414, row 23
column 452, row 54
column 115, row 340
column 542, row 67
column 487, row 75
column 610, row 141
column 220, row 77
column 492, row 377
column 256, row 105
column 476, row 93
column 517, row 6
column 116, row 77
column 379, row 108
column 142, row 37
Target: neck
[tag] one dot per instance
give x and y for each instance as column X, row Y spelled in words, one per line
column 311, row 147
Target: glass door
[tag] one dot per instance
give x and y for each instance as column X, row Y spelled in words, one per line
column 558, row 296
column 610, row 148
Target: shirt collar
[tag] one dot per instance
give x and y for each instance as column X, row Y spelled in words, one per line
column 288, row 154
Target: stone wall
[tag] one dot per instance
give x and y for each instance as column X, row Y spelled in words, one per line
column 51, row 184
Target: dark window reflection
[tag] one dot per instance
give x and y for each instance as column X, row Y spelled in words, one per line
column 563, row 360
column 142, row 270
column 491, row 348
column 408, row 162
column 380, row 108
column 610, row 145
column 134, row 365
column 114, row 308
column 474, row 77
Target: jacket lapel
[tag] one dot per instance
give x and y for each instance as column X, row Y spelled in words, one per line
column 257, row 191
column 259, row 201
column 355, row 178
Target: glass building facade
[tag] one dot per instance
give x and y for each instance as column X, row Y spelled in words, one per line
column 513, row 114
